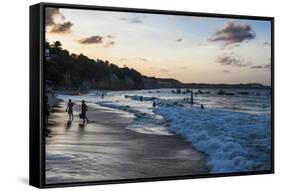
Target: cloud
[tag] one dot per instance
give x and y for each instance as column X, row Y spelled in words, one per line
column 257, row 67
column 143, row 59
column 231, row 60
column 179, row 40
column 230, row 47
column 61, row 28
column 51, row 15
column 164, row 70
column 232, row 33
column 135, row 20
column 267, row 66
column 96, row 39
column 267, row 43
column 184, row 68
column 226, row 71
column 109, row 44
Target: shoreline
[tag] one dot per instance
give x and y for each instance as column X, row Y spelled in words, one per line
column 103, row 148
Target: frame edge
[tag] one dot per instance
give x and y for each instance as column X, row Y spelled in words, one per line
column 35, row 170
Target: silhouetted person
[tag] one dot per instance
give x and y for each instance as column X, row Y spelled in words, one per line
column 202, row 106
column 102, row 95
column 84, row 109
column 141, row 98
column 154, row 104
column 69, row 109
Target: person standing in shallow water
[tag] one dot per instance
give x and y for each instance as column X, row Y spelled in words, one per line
column 191, row 98
column 69, row 109
column 84, row 109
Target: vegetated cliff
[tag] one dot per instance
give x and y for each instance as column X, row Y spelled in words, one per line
column 154, row 83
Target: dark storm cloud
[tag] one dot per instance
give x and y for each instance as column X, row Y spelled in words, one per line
column 50, row 15
column 96, row 39
column 61, row 28
column 164, row 71
column 231, row 60
column 179, row 40
column 233, row 33
column 135, row 20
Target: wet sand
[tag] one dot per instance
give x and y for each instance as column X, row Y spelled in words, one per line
column 105, row 150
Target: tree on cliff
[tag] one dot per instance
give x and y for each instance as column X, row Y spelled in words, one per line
column 62, row 67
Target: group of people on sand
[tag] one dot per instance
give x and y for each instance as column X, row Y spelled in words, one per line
column 82, row 115
column 69, row 109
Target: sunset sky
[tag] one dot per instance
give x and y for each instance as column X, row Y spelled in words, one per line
column 189, row 49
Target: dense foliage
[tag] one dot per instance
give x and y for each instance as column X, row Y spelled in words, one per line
column 79, row 71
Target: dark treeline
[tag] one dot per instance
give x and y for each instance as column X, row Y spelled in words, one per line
column 79, row 71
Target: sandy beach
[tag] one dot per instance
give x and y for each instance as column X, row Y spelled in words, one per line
column 105, row 149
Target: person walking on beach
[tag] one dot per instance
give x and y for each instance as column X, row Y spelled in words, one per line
column 84, row 109
column 69, row 109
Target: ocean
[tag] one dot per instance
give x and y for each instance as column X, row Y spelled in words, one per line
column 233, row 131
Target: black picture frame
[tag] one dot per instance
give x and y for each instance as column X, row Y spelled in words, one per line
column 37, row 126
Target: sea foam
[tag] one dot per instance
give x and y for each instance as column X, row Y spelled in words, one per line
column 232, row 141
